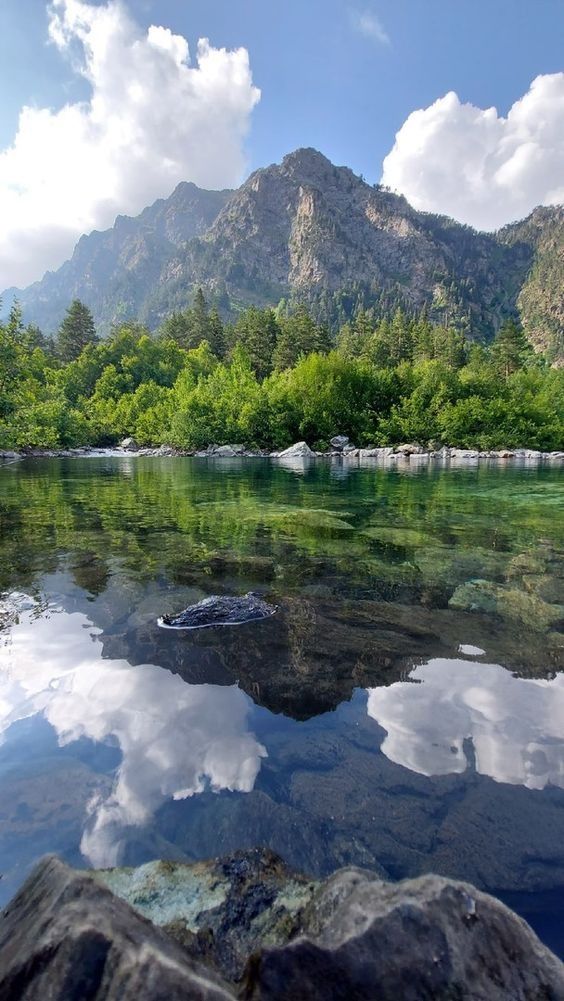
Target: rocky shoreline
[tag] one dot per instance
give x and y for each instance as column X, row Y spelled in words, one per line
column 300, row 451
column 248, row 927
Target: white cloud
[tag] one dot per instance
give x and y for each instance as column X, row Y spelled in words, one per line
column 367, row 24
column 478, row 166
column 153, row 118
column 176, row 740
column 516, row 725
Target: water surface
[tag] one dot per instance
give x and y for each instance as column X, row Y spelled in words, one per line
column 403, row 710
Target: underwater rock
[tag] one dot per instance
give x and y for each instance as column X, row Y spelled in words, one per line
column 509, row 603
column 220, row 610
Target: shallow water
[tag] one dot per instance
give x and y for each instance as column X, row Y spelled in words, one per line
column 403, row 710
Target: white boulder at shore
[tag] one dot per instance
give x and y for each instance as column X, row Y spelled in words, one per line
column 299, row 450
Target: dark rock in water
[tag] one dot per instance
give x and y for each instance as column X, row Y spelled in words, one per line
column 218, row 610
column 65, row 938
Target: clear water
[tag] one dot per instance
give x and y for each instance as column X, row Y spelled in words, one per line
column 393, row 714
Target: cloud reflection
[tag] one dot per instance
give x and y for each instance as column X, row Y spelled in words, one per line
column 516, row 725
column 176, row 739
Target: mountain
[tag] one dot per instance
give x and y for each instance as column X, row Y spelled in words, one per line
column 541, row 297
column 306, row 230
column 112, row 271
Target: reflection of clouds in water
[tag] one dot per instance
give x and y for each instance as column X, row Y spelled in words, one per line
column 516, row 724
column 176, row 739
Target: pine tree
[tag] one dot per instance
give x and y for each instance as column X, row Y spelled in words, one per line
column 76, row 331
column 257, row 331
column 510, row 348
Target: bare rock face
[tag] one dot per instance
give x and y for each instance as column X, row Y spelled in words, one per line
column 428, row 939
column 65, row 938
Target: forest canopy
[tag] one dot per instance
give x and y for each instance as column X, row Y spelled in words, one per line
column 271, row 378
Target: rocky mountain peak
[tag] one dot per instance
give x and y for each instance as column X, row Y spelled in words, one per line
column 309, row 231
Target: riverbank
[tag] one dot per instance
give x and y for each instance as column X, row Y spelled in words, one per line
column 412, row 453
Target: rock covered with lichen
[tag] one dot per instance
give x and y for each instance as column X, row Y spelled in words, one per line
column 248, row 927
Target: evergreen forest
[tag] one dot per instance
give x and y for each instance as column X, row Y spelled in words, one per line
column 273, row 377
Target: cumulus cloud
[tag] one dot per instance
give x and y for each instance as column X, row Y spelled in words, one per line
column 367, row 24
column 154, row 117
column 476, row 165
column 176, row 740
column 515, row 725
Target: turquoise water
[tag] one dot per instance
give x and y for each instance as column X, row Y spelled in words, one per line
column 403, row 710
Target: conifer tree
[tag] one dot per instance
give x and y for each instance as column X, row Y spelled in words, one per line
column 510, row 348
column 76, row 331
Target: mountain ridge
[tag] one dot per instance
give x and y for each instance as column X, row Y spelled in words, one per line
column 308, row 231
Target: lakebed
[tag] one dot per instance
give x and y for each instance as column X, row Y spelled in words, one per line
column 403, row 710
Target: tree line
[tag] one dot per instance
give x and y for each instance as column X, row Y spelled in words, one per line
column 270, row 378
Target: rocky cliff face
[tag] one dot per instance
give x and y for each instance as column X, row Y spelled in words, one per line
column 310, row 231
column 541, row 297
column 114, row 271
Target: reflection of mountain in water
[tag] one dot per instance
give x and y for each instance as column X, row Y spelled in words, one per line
column 516, row 725
column 309, row 657
column 175, row 739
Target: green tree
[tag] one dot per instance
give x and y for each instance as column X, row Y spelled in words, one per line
column 510, row 348
column 257, row 332
column 299, row 336
column 76, row 331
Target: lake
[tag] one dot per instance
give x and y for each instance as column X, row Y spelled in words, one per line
column 403, row 710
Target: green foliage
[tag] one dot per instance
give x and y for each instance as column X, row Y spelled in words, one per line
column 385, row 381
column 76, row 331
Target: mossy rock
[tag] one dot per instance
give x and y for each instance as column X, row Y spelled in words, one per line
column 545, row 587
column 394, row 535
column 508, row 602
column 476, row 596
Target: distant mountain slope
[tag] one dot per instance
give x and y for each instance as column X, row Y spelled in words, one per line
column 306, row 230
column 113, row 271
column 541, row 298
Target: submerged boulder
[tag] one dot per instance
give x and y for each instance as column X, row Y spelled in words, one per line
column 220, row 610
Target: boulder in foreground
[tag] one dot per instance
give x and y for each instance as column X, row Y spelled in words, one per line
column 65, row 938
column 272, row 934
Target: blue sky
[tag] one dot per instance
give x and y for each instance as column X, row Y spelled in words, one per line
column 341, row 76
column 323, row 83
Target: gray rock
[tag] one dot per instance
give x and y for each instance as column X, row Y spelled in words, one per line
column 409, row 449
column 350, row 449
column 428, row 939
column 225, row 452
column 66, row 938
column 298, row 450
column 375, row 453
column 339, row 442
column 129, row 444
